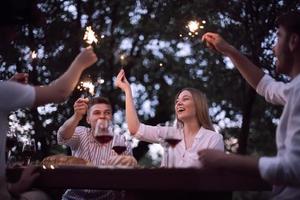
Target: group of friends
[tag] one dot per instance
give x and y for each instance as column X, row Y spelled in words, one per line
column 201, row 145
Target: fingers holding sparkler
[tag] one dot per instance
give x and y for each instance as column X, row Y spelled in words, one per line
column 86, row 58
column 122, row 82
column 215, row 42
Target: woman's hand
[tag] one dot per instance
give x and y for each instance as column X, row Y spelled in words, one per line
column 121, row 81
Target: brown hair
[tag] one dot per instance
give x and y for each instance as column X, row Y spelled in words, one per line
column 201, row 106
column 290, row 21
column 98, row 100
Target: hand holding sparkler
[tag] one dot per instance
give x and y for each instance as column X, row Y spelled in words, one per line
column 121, row 82
column 216, row 42
column 85, row 58
column 80, row 107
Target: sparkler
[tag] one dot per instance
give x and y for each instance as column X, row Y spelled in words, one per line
column 33, row 55
column 90, row 36
column 87, row 87
column 122, row 60
column 194, row 26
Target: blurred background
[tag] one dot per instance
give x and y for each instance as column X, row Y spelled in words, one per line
column 150, row 40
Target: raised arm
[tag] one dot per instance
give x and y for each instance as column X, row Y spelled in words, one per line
column 67, row 130
column 62, row 87
column 131, row 115
column 249, row 71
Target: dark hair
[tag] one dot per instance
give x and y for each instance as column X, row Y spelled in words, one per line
column 290, row 21
column 99, row 100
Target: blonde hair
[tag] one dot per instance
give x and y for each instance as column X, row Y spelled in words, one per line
column 201, row 107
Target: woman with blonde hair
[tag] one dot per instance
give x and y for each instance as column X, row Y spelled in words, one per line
column 191, row 113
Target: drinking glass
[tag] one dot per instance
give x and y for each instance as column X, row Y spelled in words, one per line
column 28, row 150
column 119, row 144
column 11, row 142
column 103, row 132
column 174, row 134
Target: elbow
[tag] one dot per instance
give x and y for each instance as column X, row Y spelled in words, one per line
column 134, row 129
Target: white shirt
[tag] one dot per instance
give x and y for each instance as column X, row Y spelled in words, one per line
column 205, row 139
column 12, row 96
column 283, row 170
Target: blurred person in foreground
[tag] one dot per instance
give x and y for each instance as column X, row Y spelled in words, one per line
column 15, row 94
column 282, row 170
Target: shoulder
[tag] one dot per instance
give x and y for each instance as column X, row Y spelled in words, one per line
column 82, row 130
column 210, row 134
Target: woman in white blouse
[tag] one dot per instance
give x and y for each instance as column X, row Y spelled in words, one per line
column 191, row 110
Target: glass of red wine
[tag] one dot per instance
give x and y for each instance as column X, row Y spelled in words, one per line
column 103, row 132
column 174, row 135
column 119, row 144
column 28, row 150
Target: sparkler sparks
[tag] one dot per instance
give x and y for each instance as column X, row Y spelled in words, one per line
column 194, row 27
column 87, row 86
column 90, row 36
column 33, row 55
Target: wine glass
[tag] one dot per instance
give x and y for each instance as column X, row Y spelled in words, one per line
column 162, row 135
column 119, row 144
column 11, row 142
column 103, row 132
column 174, row 135
column 28, row 150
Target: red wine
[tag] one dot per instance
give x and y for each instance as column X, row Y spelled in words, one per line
column 104, row 138
column 172, row 141
column 119, row 149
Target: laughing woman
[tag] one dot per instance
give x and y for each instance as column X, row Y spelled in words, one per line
column 191, row 111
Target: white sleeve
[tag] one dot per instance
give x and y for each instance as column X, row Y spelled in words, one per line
column 275, row 92
column 15, row 95
column 284, row 168
column 216, row 142
column 151, row 134
column 74, row 141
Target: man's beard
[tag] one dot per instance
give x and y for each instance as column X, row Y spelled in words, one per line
column 285, row 62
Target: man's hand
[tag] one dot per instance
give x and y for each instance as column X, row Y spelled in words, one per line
column 216, row 42
column 29, row 175
column 80, row 107
column 121, row 81
column 85, row 58
column 20, row 78
column 210, row 158
column 128, row 161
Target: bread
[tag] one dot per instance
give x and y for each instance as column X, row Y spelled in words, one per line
column 61, row 159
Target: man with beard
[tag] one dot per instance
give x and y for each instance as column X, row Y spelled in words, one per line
column 281, row 170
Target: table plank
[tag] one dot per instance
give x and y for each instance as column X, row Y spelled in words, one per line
column 159, row 179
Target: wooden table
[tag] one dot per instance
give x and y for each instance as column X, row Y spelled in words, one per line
column 158, row 181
